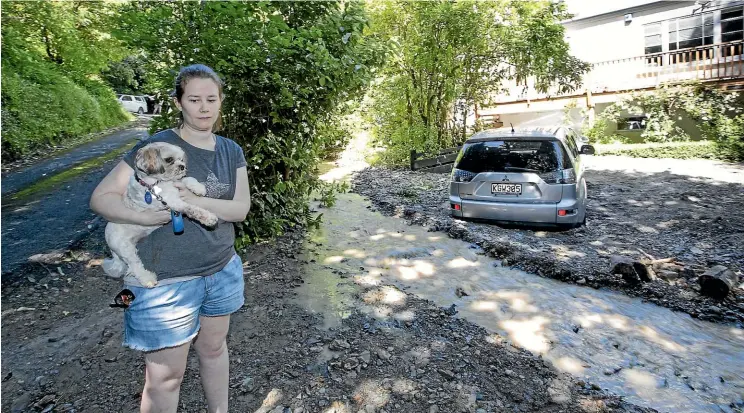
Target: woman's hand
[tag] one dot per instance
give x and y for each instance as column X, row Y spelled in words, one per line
column 230, row 210
column 153, row 218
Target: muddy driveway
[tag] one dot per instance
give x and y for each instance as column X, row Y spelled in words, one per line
column 378, row 348
column 651, row 355
column 688, row 212
column 62, row 346
column 370, row 314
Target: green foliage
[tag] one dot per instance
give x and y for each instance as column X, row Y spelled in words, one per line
column 328, row 192
column 75, row 35
column 602, row 131
column 718, row 114
column 51, row 54
column 129, row 76
column 446, row 57
column 288, row 68
column 730, row 138
column 676, row 150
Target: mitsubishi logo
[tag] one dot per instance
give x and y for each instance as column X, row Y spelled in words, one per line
column 506, row 179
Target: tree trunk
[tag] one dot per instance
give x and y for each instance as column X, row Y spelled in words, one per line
column 48, row 45
column 465, row 120
column 409, row 108
column 717, row 282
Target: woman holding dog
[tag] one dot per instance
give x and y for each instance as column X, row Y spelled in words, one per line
column 200, row 276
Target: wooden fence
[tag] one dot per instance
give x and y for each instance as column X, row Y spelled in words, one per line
column 441, row 163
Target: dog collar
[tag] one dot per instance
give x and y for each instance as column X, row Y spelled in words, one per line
column 145, row 184
column 153, row 189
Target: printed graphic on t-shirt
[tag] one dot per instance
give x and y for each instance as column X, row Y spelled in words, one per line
column 215, row 188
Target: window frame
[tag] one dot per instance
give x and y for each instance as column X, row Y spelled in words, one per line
column 673, row 30
column 647, row 34
column 740, row 18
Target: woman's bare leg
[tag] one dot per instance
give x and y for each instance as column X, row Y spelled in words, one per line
column 164, row 371
column 214, row 364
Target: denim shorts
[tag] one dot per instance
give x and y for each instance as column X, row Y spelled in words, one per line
column 168, row 315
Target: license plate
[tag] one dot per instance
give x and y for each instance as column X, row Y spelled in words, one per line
column 509, row 189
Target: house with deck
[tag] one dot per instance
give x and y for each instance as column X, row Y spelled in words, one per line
column 632, row 45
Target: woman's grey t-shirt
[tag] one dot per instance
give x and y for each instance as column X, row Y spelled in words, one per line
column 198, row 251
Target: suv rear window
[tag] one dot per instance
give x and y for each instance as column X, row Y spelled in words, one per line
column 513, row 156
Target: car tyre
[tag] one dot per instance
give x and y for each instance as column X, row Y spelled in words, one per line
column 141, row 111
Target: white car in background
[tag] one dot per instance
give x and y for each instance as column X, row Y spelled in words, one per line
column 136, row 104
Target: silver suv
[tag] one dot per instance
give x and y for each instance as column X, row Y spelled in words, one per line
column 531, row 176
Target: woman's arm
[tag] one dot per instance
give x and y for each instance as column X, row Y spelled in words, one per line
column 106, row 200
column 230, row 210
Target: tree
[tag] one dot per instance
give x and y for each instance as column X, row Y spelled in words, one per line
column 75, row 35
column 447, row 56
column 288, row 66
column 129, row 75
column 53, row 53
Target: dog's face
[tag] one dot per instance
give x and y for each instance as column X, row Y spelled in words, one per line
column 162, row 161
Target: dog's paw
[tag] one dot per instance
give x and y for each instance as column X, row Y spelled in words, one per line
column 114, row 268
column 194, row 186
column 148, row 279
column 150, row 284
column 199, row 189
column 210, row 220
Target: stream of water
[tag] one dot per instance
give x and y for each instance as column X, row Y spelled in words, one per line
column 649, row 354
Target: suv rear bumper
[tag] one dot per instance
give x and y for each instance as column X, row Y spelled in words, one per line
column 516, row 212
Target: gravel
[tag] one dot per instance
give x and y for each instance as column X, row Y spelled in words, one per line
column 674, row 223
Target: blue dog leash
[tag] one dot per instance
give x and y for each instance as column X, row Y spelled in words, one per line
column 176, row 217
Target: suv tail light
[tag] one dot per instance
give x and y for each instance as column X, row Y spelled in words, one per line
column 458, row 175
column 561, row 176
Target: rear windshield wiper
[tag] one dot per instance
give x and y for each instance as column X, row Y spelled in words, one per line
column 516, row 169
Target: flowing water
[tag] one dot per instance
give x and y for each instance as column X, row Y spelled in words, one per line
column 649, row 354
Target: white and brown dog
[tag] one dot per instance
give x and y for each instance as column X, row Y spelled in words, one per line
column 157, row 166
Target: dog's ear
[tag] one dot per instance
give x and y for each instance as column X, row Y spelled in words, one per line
column 150, row 161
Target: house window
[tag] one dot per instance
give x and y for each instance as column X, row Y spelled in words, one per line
column 652, row 33
column 732, row 24
column 693, row 31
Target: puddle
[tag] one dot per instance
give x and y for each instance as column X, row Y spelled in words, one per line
column 649, row 354
column 324, row 290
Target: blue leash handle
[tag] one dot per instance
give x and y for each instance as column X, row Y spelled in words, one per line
column 177, row 220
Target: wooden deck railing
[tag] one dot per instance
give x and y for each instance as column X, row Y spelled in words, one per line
column 706, row 63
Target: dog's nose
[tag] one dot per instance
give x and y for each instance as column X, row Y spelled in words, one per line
column 181, row 167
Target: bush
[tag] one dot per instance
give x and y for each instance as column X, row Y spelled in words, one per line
column 731, row 138
column 43, row 107
column 676, row 150
column 717, row 113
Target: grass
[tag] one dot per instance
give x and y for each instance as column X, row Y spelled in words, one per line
column 57, row 180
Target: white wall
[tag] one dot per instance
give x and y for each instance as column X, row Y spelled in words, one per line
column 582, row 9
column 533, row 119
column 609, row 37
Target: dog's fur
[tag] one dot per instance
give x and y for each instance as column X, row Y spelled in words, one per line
column 165, row 164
